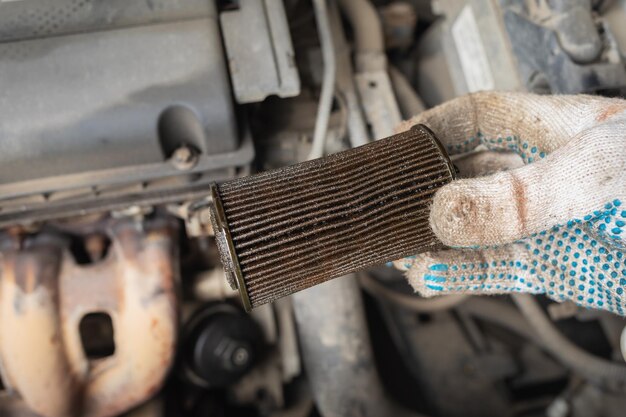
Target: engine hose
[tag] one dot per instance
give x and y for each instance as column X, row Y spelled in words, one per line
column 409, row 102
column 328, row 83
column 610, row 375
column 368, row 30
column 500, row 314
column 409, row 301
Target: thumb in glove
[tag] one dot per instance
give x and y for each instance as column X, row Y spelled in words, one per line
column 554, row 226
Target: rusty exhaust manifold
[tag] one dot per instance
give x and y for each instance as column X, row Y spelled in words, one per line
column 44, row 294
column 285, row 230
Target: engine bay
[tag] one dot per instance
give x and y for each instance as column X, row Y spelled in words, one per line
column 117, row 116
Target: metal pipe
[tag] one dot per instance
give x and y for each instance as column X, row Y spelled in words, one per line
column 337, row 352
column 328, row 82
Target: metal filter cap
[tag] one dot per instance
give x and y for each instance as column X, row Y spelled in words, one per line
column 289, row 229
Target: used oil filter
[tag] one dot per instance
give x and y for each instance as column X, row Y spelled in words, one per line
column 281, row 231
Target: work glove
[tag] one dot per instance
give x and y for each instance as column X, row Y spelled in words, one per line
column 554, row 226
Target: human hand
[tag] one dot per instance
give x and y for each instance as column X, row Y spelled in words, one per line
column 554, row 226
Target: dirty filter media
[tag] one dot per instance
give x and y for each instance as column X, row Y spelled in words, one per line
column 285, row 230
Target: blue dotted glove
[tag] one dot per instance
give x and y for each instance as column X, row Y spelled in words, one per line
column 554, row 226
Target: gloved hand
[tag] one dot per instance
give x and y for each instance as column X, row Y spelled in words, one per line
column 556, row 225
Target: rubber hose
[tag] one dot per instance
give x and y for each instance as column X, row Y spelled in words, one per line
column 501, row 314
column 328, row 83
column 409, row 301
column 608, row 374
column 409, row 102
column 366, row 25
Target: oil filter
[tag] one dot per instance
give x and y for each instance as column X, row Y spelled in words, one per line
column 284, row 230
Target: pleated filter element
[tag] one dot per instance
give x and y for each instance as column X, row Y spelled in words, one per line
column 288, row 229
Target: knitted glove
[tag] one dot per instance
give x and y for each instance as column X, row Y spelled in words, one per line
column 554, row 226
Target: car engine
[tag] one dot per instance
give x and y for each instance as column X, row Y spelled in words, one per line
column 116, row 117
